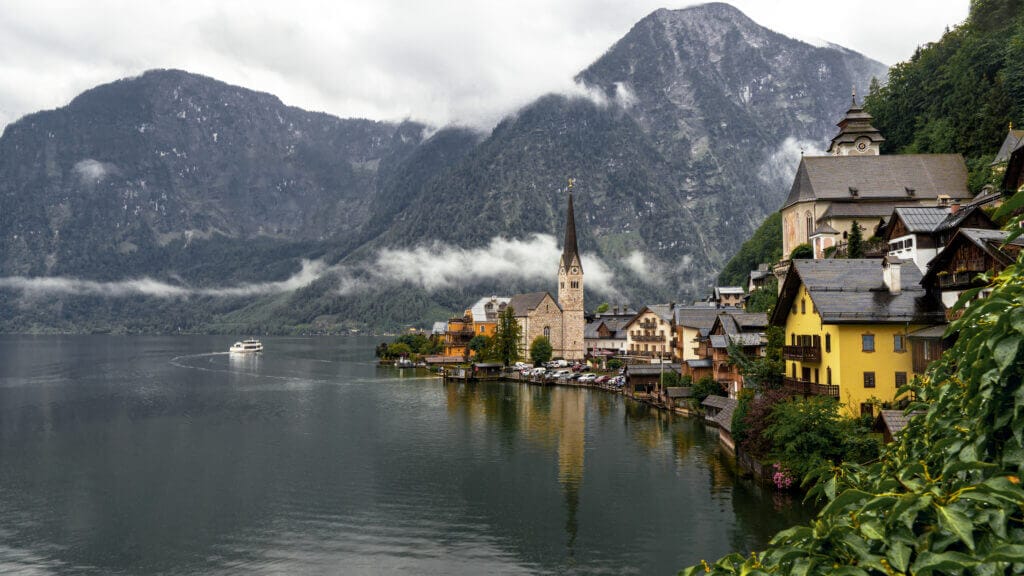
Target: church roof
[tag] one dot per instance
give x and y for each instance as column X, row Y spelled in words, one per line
column 896, row 177
column 570, row 249
column 522, row 304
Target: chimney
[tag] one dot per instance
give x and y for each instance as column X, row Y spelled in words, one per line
column 891, row 273
column 954, row 207
column 615, row 310
column 671, row 305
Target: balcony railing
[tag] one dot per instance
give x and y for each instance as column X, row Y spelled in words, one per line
column 962, row 278
column 648, row 338
column 802, row 353
column 806, row 388
column 648, row 325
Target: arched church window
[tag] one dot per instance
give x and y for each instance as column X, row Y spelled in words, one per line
column 810, row 225
column 547, row 332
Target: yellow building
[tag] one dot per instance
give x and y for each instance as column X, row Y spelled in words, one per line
column 846, row 324
column 479, row 320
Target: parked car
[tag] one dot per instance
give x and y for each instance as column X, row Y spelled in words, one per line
column 588, row 377
column 602, row 379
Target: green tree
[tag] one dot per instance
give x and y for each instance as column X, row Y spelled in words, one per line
column 602, row 308
column 764, row 372
column 801, row 252
column 764, row 299
column 398, row 350
column 944, row 497
column 671, row 379
column 505, row 343
column 480, row 345
column 613, row 364
column 764, row 246
column 540, row 350
column 855, row 243
column 707, row 386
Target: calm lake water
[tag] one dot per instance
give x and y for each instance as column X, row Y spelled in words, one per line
column 145, row 455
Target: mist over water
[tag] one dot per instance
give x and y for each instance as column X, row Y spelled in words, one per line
column 167, row 455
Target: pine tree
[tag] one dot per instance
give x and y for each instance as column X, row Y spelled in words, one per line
column 855, row 244
column 505, row 342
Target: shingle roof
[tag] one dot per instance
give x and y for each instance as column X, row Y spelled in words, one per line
column 852, row 291
column 679, row 392
column 922, row 218
column 696, row 316
column 929, row 333
column 715, row 401
column 523, row 303
column 1014, row 139
column 896, row 420
column 700, row 363
column 649, row 369
column 744, row 339
column 724, row 417
column 879, row 177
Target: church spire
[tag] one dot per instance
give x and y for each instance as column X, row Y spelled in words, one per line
column 570, row 249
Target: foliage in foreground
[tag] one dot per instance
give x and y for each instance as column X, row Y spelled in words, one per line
column 540, row 350
column 945, row 497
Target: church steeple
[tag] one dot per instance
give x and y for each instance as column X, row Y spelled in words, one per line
column 856, row 134
column 570, row 250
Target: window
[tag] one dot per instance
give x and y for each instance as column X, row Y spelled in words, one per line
column 901, row 379
column 816, row 376
column 927, row 349
column 867, row 342
column 869, row 379
column 792, row 339
column 867, row 409
column 794, row 369
column 828, row 342
column 547, row 332
column 828, row 375
column 898, row 345
column 803, row 306
column 481, row 329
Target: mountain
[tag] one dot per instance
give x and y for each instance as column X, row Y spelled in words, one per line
column 685, row 141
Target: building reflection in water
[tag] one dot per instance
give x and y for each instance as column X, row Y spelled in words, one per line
column 550, row 418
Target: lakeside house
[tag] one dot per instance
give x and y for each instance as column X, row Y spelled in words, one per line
column 919, row 233
column 651, row 333
column 605, row 334
column 971, row 252
column 847, row 323
column 480, row 319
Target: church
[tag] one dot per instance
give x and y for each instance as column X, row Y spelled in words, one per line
column 855, row 182
column 562, row 320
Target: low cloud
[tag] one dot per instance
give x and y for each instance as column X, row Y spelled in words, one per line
column 40, row 286
column 438, row 266
column 780, row 167
column 90, row 171
column 645, row 269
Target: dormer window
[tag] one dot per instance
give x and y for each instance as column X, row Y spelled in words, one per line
column 854, row 192
column 910, row 191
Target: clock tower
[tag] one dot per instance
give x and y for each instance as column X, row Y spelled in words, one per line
column 570, row 290
column 857, row 137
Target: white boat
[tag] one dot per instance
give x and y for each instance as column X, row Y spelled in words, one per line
column 249, row 346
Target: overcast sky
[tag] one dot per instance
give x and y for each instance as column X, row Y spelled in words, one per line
column 445, row 61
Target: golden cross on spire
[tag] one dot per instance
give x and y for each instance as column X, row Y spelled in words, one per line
column 571, row 182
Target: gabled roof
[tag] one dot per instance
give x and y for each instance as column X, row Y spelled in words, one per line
column 921, row 219
column 662, row 311
column 724, row 417
column 679, row 392
column 524, row 303
column 1014, row 140
column 890, row 177
column 988, row 240
column 696, row 316
column 719, row 290
column 866, row 210
column 852, row 291
column 721, row 341
column 480, row 312
column 896, row 420
column 615, row 324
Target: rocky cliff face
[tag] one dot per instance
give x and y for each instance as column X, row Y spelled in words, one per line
column 676, row 155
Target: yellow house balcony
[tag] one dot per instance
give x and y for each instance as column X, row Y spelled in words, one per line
column 806, row 388
column 802, row 353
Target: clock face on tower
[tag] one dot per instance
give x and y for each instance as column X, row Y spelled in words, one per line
column 575, row 270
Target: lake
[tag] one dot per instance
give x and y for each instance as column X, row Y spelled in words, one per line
column 147, row 455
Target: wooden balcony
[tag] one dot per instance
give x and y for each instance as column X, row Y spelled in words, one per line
column 806, row 388
column 648, row 325
column 958, row 279
column 802, row 353
column 648, row 338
